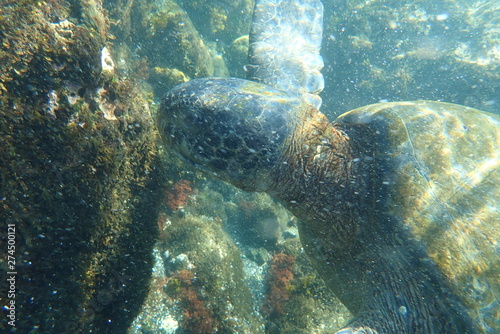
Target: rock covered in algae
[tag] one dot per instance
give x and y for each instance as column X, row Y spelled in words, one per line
column 257, row 221
column 223, row 21
column 168, row 42
column 225, row 26
column 199, row 281
column 166, row 47
column 398, row 51
column 296, row 300
column 78, row 172
column 204, row 267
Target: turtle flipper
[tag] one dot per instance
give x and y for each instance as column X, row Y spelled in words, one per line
column 285, row 41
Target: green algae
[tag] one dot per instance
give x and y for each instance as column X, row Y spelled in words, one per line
column 169, row 41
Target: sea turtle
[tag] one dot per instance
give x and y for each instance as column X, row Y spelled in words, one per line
column 397, row 202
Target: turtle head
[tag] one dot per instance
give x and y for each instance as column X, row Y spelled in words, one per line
column 232, row 128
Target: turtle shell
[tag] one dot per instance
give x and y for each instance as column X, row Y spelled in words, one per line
column 445, row 188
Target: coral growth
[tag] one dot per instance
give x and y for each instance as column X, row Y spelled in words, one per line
column 197, row 316
column 199, row 244
column 280, row 279
column 162, row 221
column 179, row 194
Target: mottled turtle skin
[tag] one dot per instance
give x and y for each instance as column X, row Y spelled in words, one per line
column 397, row 202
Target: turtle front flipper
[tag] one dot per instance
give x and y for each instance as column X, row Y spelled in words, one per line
column 285, row 42
column 406, row 294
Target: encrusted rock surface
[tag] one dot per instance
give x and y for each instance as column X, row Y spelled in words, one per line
column 79, row 178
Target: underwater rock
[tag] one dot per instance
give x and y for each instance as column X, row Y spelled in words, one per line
column 164, row 35
column 169, row 42
column 253, row 220
column 223, row 21
column 224, row 26
column 78, row 166
column 395, row 51
column 198, row 283
column 296, row 300
column 257, row 221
